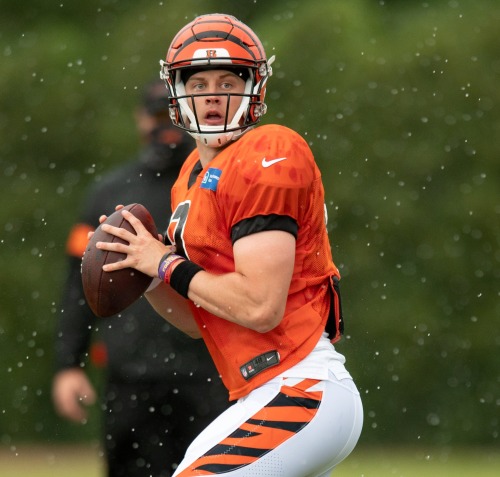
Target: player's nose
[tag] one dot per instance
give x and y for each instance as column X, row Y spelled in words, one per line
column 212, row 99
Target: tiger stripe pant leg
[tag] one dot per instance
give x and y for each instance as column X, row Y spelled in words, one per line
column 286, row 428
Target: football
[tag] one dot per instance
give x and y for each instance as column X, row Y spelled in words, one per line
column 109, row 293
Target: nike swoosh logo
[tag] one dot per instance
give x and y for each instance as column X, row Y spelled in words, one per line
column 266, row 163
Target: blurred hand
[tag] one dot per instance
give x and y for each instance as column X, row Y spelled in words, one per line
column 71, row 391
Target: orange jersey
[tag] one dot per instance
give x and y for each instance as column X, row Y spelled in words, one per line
column 269, row 171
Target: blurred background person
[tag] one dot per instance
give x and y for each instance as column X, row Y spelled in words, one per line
column 161, row 387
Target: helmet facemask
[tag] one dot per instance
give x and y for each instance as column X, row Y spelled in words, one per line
column 247, row 115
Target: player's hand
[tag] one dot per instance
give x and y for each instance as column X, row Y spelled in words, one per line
column 102, row 218
column 71, row 391
column 142, row 249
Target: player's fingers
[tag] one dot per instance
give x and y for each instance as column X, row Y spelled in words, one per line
column 117, row 247
column 102, row 218
column 118, row 232
column 128, row 261
column 119, row 265
column 119, row 206
column 113, row 247
column 135, row 222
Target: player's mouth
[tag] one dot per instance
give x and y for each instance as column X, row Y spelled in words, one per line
column 214, row 118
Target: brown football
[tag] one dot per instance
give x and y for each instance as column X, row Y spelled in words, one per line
column 109, row 293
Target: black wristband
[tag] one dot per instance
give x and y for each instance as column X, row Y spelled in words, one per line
column 182, row 275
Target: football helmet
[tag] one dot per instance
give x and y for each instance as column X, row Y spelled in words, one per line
column 216, row 41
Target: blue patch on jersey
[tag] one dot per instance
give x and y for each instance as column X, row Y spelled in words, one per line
column 211, row 179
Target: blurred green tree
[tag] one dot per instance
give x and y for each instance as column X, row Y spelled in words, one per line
column 398, row 101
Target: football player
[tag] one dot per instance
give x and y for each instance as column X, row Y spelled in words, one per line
column 249, row 264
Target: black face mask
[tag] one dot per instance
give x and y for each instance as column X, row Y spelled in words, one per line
column 168, row 148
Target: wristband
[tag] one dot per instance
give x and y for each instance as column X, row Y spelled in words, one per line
column 181, row 276
column 164, row 268
column 170, row 268
column 162, row 259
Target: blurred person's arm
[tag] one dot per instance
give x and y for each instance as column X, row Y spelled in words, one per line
column 71, row 387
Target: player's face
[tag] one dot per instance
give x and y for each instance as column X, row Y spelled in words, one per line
column 214, row 87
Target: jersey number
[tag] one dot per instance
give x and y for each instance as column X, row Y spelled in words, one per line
column 175, row 230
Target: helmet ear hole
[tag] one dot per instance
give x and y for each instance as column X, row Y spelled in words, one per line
column 173, row 110
column 256, row 111
column 252, row 110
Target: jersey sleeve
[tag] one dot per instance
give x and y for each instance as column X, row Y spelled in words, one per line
column 275, row 173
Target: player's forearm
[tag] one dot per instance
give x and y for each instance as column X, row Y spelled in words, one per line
column 235, row 298
column 173, row 308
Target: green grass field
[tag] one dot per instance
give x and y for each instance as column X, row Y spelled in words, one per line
column 38, row 461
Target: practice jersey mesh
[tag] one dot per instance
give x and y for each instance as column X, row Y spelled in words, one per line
column 269, row 170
